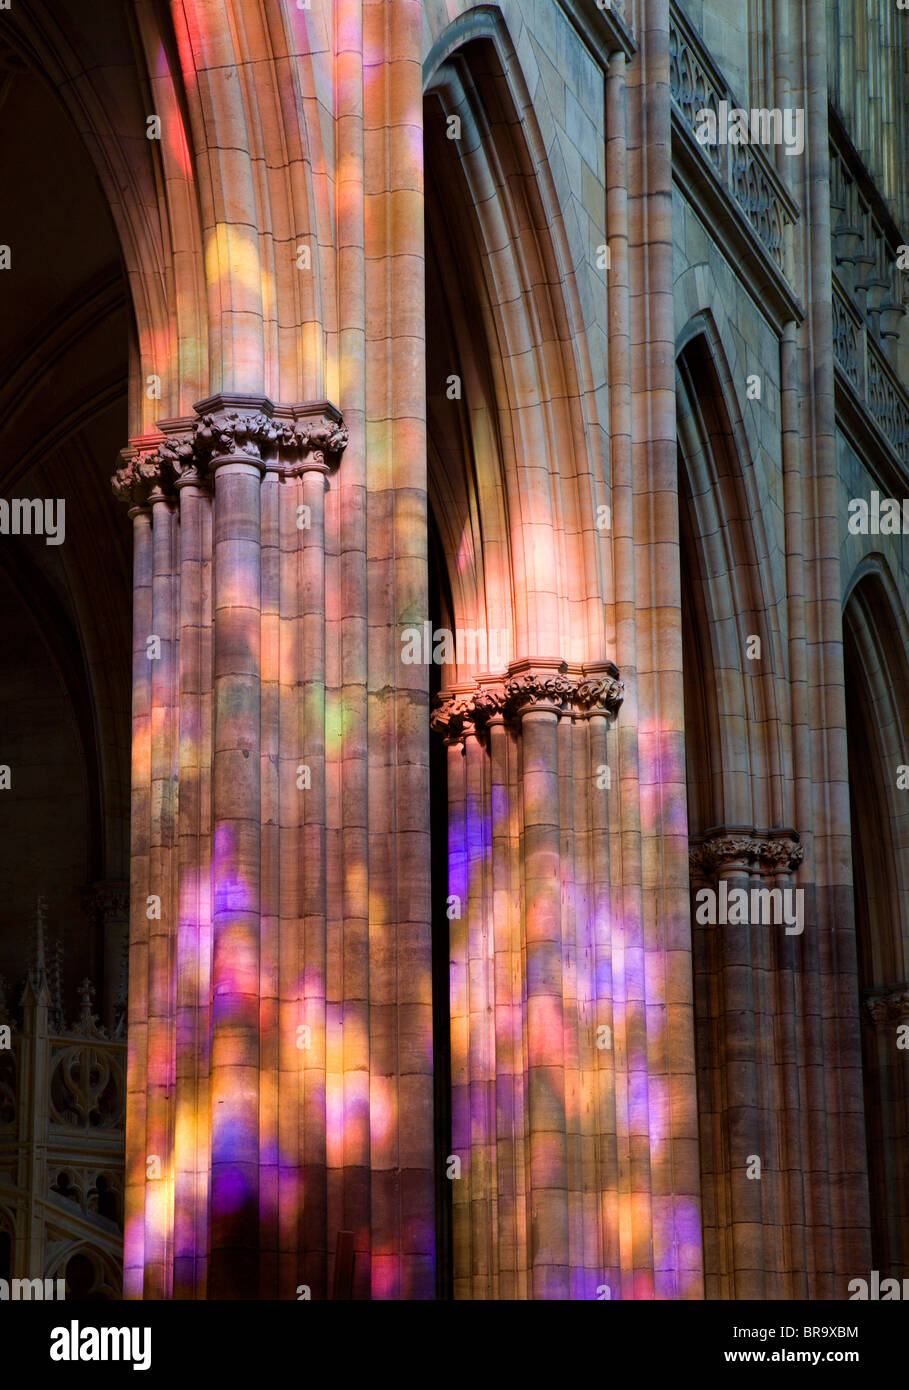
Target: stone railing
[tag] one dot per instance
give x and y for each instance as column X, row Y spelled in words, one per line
column 888, row 402
column 869, row 374
column 848, row 340
column 870, row 293
column 697, row 85
column 865, row 251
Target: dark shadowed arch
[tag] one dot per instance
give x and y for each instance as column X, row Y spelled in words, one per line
column 877, row 707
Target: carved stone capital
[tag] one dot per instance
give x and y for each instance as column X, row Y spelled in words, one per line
column 600, row 694
column 575, row 690
column 143, row 472
column 538, row 690
column 889, row 1004
column 781, row 855
column 468, row 711
column 228, row 428
column 556, row 687
column 772, row 851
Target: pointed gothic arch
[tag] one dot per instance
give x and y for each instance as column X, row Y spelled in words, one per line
column 727, row 572
column 516, row 475
column 875, row 633
column 735, row 753
column 536, row 476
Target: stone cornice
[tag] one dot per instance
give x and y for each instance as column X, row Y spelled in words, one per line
column 604, row 30
column 775, row 851
column 528, row 685
column 226, row 429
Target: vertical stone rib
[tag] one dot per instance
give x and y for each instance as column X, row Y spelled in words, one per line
column 628, row 416
column 347, row 849
column 460, row 1019
column 140, row 839
column 236, row 814
column 763, row 955
column 548, row 1194
column 587, row 1244
column 508, row 1060
column 606, row 1172
column 400, row 971
column 796, row 1121
column 481, row 1020
column 192, row 852
column 312, row 849
column 203, row 985
column 572, row 891
column 163, row 885
column 271, row 502
column 295, row 1264
column 741, row 1112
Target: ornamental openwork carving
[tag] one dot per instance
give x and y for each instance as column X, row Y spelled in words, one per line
column 696, row 86
column 577, row 692
column 285, row 439
column 771, row 854
column 87, row 1086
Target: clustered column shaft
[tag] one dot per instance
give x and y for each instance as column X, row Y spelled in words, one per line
column 534, row 1121
column 227, row 1102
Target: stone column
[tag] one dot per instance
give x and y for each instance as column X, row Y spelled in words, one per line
column 534, row 1118
column 162, row 888
column 313, row 958
column 236, row 829
column 542, row 905
column 748, row 1064
column 132, row 484
column 192, row 961
column 887, row 1118
column 229, row 946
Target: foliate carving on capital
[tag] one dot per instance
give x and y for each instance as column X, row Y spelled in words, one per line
column 578, row 694
column 774, row 855
column 602, row 695
column 468, row 713
column 288, row 439
column 781, row 854
column 889, row 1005
column 538, row 688
column 291, row 442
column 143, row 472
column 715, row 854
